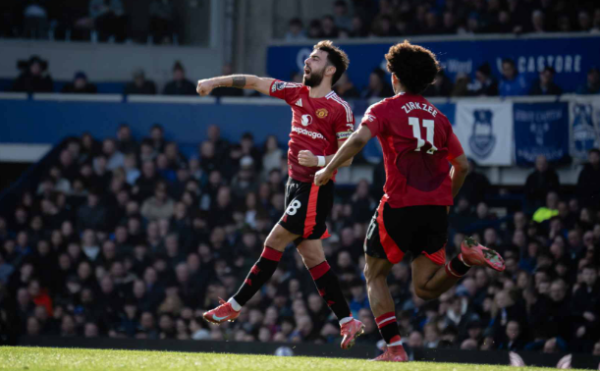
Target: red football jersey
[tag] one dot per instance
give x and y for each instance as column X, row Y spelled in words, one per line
column 317, row 125
column 417, row 142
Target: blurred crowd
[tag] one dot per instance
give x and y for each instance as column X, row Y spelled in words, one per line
column 511, row 83
column 35, row 77
column 394, row 18
column 130, row 239
column 85, row 20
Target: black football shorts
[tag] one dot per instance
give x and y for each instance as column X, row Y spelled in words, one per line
column 415, row 229
column 306, row 209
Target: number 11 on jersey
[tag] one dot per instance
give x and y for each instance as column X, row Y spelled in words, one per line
column 416, row 126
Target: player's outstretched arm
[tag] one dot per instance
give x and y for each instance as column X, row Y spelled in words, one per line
column 351, row 147
column 260, row 84
column 458, row 173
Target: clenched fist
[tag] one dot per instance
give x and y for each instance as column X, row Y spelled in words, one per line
column 323, row 176
column 204, row 87
column 306, row 158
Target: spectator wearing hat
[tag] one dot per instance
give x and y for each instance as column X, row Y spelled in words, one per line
column 485, row 83
column 80, row 85
column 179, row 85
column 140, row 85
column 34, row 77
column 592, row 86
column 545, row 85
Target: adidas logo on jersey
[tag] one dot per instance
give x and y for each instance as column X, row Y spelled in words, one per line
column 299, row 102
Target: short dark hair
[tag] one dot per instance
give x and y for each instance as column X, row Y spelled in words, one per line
column 340, row 3
column 485, row 69
column 336, row 56
column 415, row 66
column 594, row 150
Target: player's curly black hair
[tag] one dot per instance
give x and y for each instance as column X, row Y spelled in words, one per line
column 415, row 66
column 336, row 56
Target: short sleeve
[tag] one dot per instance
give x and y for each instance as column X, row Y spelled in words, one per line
column 454, row 147
column 284, row 90
column 344, row 123
column 373, row 121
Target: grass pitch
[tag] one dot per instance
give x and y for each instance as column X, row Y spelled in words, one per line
column 33, row 359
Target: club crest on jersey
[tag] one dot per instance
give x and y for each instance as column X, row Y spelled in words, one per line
column 322, row 113
column 306, row 120
column 482, row 140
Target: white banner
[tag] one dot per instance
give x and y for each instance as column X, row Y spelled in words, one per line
column 584, row 126
column 485, row 131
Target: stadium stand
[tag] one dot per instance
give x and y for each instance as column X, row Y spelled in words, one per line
column 129, row 238
column 117, row 236
column 397, row 18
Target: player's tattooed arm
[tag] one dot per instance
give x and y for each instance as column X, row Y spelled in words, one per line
column 260, row 84
column 239, row 81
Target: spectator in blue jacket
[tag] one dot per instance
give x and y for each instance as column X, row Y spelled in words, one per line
column 512, row 84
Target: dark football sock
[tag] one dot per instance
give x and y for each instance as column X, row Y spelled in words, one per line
column 330, row 290
column 456, row 268
column 260, row 273
column 388, row 328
